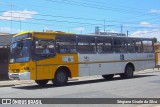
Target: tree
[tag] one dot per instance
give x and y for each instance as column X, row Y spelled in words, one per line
column 155, row 40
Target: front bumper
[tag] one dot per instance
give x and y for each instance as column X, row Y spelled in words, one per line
column 20, row 76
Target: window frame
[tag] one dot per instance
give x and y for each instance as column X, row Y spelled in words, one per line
column 117, row 48
column 87, row 43
column 68, row 49
column 33, row 53
column 103, row 46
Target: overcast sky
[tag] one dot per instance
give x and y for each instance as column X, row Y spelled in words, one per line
column 140, row 17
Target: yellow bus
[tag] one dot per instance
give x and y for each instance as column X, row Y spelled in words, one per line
column 57, row 56
column 157, row 55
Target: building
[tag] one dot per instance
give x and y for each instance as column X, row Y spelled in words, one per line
column 5, row 40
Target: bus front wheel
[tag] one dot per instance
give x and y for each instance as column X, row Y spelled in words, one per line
column 129, row 70
column 41, row 82
column 60, row 78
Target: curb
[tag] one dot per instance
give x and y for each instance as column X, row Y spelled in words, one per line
column 10, row 83
column 7, row 85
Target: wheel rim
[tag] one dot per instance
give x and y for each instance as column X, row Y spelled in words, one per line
column 61, row 77
column 129, row 72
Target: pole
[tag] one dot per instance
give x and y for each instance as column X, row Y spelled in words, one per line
column 127, row 33
column 104, row 25
column 11, row 18
column 121, row 28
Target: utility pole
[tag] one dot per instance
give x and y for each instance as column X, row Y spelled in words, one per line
column 121, row 28
column 11, row 17
column 20, row 23
column 97, row 31
column 127, row 33
column 104, row 25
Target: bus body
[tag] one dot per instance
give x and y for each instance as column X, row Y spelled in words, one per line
column 157, row 55
column 72, row 55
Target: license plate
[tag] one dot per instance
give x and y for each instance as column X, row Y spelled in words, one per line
column 14, row 76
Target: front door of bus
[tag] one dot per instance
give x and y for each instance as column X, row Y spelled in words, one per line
column 43, row 55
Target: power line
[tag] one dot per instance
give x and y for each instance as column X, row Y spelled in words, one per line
column 97, row 6
column 133, row 22
column 117, row 21
column 92, row 6
column 50, row 20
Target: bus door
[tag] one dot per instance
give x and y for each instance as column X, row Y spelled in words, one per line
column 84, row 65
column 43, row 53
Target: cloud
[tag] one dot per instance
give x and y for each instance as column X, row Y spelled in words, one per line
column 79, row 29
column 155, row 11
column 146, row 24
column 17, row 15
column 147, row 33
column 8, row 30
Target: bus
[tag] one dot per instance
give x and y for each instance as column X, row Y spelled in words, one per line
column 157, row 54
column 76, row 55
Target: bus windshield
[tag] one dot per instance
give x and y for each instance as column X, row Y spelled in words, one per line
column 19, row 51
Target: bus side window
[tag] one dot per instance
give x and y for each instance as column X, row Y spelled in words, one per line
column 138, row 46
column 43, row 48
column 120, row 45
column 66, row 44
column 104, row 45
column 131, row 46
column 147, row 46
column 86, row 44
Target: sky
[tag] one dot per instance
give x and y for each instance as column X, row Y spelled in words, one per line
column 141, row 18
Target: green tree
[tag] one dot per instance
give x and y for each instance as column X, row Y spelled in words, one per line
column 155, row 40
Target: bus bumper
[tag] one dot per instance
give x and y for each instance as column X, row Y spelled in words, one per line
column 20, row 76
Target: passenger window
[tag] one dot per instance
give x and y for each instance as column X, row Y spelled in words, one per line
column 120, row 45
column 147, row 46
column 86, row 44
column 104, row 45
column 66, row 44
column 43, row 49
column 131, row 46
column 138, row 44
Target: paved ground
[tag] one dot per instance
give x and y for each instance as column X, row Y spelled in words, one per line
column 145, row 84
column 8, row 83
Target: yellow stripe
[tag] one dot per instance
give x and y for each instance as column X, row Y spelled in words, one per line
column 93, row 62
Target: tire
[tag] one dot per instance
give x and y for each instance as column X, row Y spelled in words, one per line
column 41, row 82
column 108, row 77
column 60, row 78
column 128, row 72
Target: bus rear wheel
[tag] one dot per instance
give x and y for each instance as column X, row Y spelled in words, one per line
column 108, row 77
column 41, row 82
column 128, row 72
column 60, row 78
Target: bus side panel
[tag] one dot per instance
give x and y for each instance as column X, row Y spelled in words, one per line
column 45, row 72
column 100, row 64
column 32, row 67
column 70, row 61
column 83, row 65
column 150, row 63
column 46, row 68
